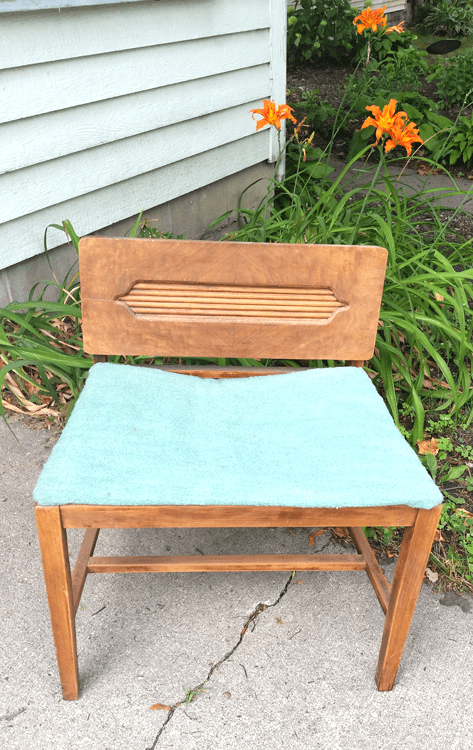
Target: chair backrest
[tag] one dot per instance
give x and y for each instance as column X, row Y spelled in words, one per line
column 227, row 299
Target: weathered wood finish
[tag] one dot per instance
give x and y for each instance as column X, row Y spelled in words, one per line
column 230, row 371
column 398, row 601
column 190, row 301
column 57, row 577
column 229, row 516
column 110, row 268
column 381, row 586
column 80, row 569
column 408, row 576
column 354, row 275
column 228, row 563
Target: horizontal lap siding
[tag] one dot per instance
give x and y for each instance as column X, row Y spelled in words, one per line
column 9, row 6
column 124, row 109
column 81, row 32
column 48, row 87
column 39, row 186
column 49, row 136
column 391, row 5
column 129, row 197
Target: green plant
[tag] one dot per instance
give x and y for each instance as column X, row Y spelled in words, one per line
column 305, row 169
column 455, row 81
column 318, row 30
column 453, row 17
column 444, row 423
column 41, row 344
column 459, row 523
column 384, row 47
column 404, row 71
column 453, row 556
column 465, row 451
column 147, row 232
column 316, row 112
column 459, row 146
column 423, row 111
column 192, row 693
column 44, row 364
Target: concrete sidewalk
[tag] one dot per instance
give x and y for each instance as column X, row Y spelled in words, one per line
column 449, row 192
column 301, row 675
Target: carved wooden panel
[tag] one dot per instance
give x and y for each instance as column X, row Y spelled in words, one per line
column 188, row 301
column 190, row 298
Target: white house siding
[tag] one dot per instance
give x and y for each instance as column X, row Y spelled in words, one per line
column 107, row 109
column 391, row 5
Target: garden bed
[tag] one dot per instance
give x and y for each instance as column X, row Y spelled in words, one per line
column 330, row 83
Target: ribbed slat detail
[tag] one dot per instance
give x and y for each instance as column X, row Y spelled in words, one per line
column 158, row 299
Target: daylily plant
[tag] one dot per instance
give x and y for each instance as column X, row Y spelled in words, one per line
column 384, row 120
column 389, row 122
column 370, row 19
column 272, row 115
column 403, row 136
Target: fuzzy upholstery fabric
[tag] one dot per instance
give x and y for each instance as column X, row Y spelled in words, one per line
column 316, row 438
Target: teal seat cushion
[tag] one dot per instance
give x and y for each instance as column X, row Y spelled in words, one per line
column 320, row 438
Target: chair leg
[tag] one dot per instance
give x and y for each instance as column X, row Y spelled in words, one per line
column 57, row 577
column 408, row 576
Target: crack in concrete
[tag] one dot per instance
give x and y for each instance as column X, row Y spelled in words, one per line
column 199, row 688
column 10, row 717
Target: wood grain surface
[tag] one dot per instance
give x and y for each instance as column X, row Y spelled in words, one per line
column 354, row 275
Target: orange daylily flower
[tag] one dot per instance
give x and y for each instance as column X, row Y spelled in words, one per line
column 403, row 135
column 386, row 120
column 370, row 19
column 272, row 115
column 398, row 29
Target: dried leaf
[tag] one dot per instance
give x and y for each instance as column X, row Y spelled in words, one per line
column 424, row 169
column 279, row 621
column 438, row 536
column 433, row 383
column 313, row 534
column 341, row 533
column 10, row 406
column 428, row 446
column 432, row 575
column 159, row 707
column 13, row 386
column 31, row 388
column 30, row 409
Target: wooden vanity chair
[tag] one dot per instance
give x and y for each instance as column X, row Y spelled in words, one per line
column 153, row 447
